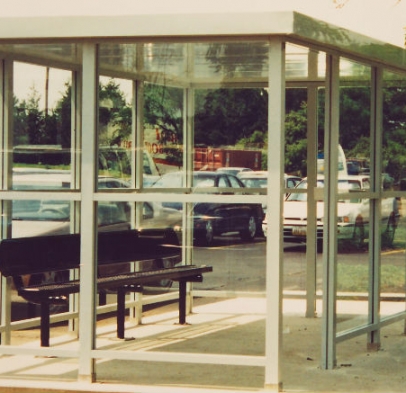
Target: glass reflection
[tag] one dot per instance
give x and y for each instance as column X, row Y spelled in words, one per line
column 354, row 217
column 40, row 217
column 42, row 127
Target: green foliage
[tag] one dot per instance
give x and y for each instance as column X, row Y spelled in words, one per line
column 296, row 141
column 163, row 107
column 226, row 116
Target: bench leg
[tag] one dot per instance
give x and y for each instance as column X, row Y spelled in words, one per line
column 44, row 325
column 182, row 302
column 120, row 312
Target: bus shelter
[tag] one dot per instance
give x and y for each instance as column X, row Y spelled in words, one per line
column 148, row 96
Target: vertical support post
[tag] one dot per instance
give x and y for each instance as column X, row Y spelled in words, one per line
column 88, row 227
column 275, row 193
column 187, row 217
column 6, row 138
column 374, row 288
column 76, row 132
column 137, row 151
column 328, row 358
column 311, row 240
column 188, row 168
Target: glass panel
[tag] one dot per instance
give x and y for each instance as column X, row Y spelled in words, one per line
column 228, row 61
column 393, row 225
column 354, row 185
column 40, row 217
column 163, row 131
column 296, row 62
column 115, row 125
column 42, row 127
column 68, row 53
column 164, row 63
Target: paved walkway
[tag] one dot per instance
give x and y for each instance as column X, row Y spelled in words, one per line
column 229, row 326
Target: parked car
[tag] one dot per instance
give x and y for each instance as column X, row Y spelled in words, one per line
column 259, row 179
column 352, row 214
column 234, row 170
column 212, row 219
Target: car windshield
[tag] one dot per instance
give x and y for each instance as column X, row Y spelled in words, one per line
column 344, row 185
column 254, row 183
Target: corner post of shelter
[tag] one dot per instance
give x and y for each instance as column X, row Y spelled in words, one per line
column 373, row 337
column 88, row 253
column 274, row 246
column 328, row 357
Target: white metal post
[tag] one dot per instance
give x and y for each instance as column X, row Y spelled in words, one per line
column 76, row 100
column 311, row 240
column 88, row 227
column 374, row 287
column 274, row 244
column 137, row 151
column 6, row 117
column 187, row 219
column 328, row 358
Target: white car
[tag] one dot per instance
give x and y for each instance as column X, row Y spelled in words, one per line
column 352, row 214
column 259, row 179
column 234, row 170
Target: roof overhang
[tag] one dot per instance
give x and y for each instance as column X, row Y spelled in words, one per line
column 292, row 25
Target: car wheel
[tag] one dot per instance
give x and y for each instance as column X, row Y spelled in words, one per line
column 205, row 237
column 251, row 229
column 358, row 235
column 389, row 234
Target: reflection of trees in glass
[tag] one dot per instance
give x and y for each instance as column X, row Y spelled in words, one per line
column 233, row 59
column 296, row 132
column 163, row 107
column 394, row 129
column 224, row 116
column 31, row 125
column 354, row 117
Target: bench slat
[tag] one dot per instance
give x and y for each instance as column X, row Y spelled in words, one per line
column 45, row 292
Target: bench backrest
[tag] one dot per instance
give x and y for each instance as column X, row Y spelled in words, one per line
column 30, row 255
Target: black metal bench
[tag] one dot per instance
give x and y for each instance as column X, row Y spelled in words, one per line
column 36, row 255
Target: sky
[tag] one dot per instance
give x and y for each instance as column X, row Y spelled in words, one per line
column 381, row 19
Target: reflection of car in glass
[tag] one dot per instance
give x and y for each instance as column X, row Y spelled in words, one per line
column 211, row 219
column 234, row 170
column 52, row 217
column 259, row 179
column 352, row 214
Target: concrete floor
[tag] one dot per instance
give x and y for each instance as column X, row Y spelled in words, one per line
column 228, row 326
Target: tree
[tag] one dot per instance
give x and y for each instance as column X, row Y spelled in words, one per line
column 228, row 115
column 163, row 107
